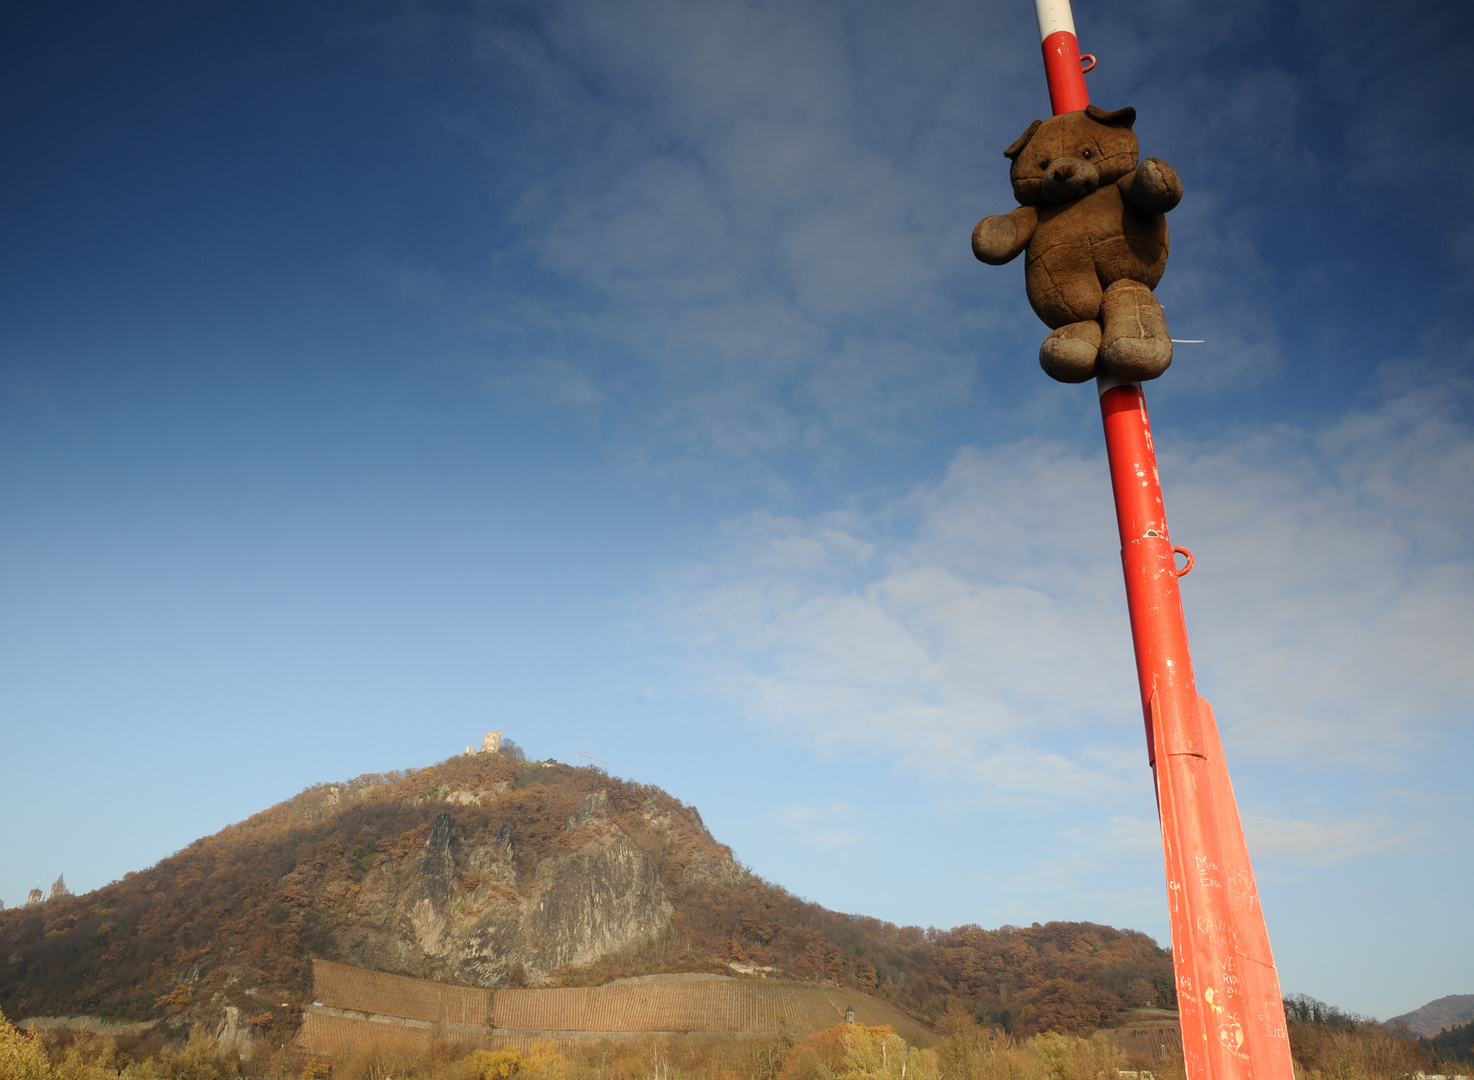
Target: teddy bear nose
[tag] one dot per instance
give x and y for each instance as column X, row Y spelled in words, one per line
column 1064, row 172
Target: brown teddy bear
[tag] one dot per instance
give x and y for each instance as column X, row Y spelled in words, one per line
column 1092, row 221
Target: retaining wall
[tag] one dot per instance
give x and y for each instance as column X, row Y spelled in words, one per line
column 354, row 1005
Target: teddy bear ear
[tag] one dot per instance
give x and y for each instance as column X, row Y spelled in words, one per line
column 1022, row 141
column 1120, row 118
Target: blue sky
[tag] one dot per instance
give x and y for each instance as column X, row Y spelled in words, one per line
column 618, row 375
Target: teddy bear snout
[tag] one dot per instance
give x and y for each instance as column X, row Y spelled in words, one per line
column 1066, row 179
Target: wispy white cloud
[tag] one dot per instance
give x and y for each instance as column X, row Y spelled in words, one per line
column 977, row 625
column 958, row 617
column 1331, row 604
column 832, row 838
column 1119, row 833
column 802, row 821
column 809, row 813
column 739, row 231
column 1322, row 842
column 1271, row 838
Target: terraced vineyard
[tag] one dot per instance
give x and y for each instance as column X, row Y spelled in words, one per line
column 1150, row 1033
column 344, row 986
column 353, row 1005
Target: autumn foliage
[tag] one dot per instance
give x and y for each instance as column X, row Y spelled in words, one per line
column 960, row 1049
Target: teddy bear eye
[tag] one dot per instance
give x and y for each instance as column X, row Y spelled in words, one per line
column 1086, row 155
column 1044, row 164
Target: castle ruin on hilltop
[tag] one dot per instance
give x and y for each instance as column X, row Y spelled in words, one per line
column 491, row 743
column 58, row 890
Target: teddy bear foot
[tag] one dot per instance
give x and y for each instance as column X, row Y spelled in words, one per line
column 1134, row 344
column 1068, row 354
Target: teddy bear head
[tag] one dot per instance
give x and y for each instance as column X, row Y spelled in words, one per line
column 1070, row 155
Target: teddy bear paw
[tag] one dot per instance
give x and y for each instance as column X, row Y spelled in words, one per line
column 1068, row 354
column 1135, row 344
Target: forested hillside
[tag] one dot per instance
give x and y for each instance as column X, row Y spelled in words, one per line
column 493, row 871
column 1454, row 1043
column 1441, row 1013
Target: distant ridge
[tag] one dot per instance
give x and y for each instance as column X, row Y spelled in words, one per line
column 1441, row 1013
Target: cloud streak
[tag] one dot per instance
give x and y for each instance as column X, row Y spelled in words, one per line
column 976, row 626
column 740, row 232
column 1320, row 843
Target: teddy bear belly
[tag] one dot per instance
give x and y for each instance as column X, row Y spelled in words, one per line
column 1080, row 248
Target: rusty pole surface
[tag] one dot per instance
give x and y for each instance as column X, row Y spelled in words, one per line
column 1228, row 993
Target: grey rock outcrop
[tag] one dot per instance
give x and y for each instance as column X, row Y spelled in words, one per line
column 232, row 1034
column 594, row 808
column 458, row 908
column 601, row 897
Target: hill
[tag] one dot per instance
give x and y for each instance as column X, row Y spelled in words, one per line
column 486, row 870
column 1445, row 1012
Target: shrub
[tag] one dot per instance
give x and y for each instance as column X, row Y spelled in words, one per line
column 21, row 1055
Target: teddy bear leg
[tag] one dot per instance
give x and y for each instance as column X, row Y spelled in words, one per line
column 1134, row 344
column 1068, row 354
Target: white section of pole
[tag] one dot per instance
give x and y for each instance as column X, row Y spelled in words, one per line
column 1054, row 16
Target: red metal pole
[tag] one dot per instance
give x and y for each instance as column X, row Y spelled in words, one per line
column 1228, row 994
column 1061, row 56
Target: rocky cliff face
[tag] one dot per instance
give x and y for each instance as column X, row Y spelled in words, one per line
column 457, row 905
column 517, row 877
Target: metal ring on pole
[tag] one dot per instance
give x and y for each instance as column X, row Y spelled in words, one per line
column 1089, row 66
column 1185, row 553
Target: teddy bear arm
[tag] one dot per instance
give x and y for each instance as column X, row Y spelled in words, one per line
column 1153, row 186
column 1002, row 237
